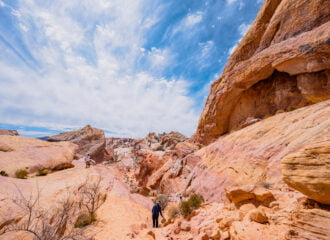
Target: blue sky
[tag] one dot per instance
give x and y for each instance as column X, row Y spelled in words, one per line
column 126, row 66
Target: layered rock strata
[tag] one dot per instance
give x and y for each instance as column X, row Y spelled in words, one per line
column 90, row 141
column 280, row 65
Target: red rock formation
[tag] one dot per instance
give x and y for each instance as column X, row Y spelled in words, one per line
column 281, row 64
column 90, row 141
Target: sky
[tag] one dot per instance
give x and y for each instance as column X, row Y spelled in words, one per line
column 129, row 67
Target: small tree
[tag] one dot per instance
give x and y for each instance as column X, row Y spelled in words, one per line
column 45, row 224
column 91, row 197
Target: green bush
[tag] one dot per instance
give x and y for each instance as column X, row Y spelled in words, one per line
column 3, row 173
column 84, row 220
column 22, row 174
column 195, row 201
column 163, row 200
column 42, row 172
column 185, row 208
column 191, row 204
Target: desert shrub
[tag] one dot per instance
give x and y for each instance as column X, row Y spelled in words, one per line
column 195, row 201
column 21, row 173
column 163, row 200
column 173, row 211
column 292, row 109
column 42, row 172
column 266, row 185
column 3, row 173
column 63, row 166
column 84, row 220
column 185, row 208
column 191, row 204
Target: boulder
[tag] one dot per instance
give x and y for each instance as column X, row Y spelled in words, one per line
column 90, row 141
column 182, row 149
column 240, row 194
column 244, row 209
column 281, row 64
column 307, row 171
column 258, row 215
column 185, row 226
column 310, row 224
column 23, row 153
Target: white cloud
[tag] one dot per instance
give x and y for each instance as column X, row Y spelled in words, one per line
column 241, row 5
column 2, row 4
column 193, row 19
column 205, row 53
column 231, row 1
column 87, row 71
column 232, row 49
column 159, row 58
column 243, row 28
column 188, row 24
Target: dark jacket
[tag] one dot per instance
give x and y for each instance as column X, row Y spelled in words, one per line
column 156, row 210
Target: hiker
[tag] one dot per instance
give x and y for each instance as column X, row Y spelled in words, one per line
column 180, row 200
column 89, row 161
column 156, row 210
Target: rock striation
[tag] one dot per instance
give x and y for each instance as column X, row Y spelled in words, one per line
column 307, row 171
column 280, row 65
column 90, row 141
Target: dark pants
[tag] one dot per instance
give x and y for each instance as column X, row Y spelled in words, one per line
column 155, row 220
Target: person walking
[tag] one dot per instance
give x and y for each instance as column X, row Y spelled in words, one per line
column 156, row 210
column 89, row 161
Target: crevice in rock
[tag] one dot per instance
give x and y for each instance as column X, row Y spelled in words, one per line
column 278, row 93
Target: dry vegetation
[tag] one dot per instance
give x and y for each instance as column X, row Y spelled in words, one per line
column 66, row 220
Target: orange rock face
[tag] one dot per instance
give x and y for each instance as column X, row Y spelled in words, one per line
column 281, row 64
column 252, row 155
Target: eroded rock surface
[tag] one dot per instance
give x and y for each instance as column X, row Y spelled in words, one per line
column 281, row 64
column 23, row 153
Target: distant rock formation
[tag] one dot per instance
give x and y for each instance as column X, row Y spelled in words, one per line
column 280, row 65
column 90, row 141
column 8, row 132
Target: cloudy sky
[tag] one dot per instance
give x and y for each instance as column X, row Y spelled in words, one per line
column 126, row 66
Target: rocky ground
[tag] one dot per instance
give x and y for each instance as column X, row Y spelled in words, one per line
column 259, row 157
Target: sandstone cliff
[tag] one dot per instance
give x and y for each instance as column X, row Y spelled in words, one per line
column 281, row 64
